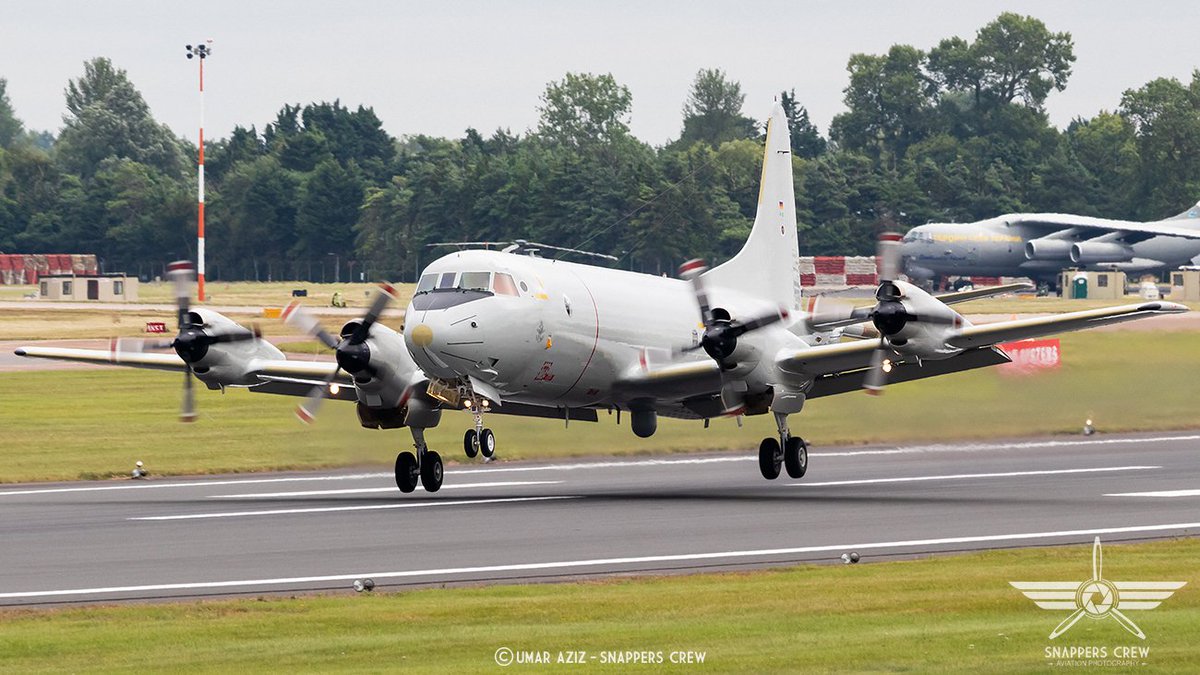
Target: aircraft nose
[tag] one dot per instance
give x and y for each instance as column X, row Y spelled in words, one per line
column 446, row 346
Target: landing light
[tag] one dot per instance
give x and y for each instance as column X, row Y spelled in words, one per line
column 887, row 365
column 334, row 388
column 486, row 404
column 467, row 403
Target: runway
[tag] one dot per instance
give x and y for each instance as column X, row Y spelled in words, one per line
column 268, row 533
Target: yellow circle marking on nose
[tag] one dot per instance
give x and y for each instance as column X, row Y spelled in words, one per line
column 422, row 335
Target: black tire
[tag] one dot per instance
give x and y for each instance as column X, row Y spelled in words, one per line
column 471, row 443
column 406, row 472
column 432, row 471
column 770, row 458
column 487, row 443
column 795, row 457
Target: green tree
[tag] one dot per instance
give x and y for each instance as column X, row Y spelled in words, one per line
column 1013, row 57
column 585, row 109
column 1165, row 116
column 329, row 205
column 10, row 126
column 806, row 138
column 108, row 118
column 890, row 103
column 712, row 113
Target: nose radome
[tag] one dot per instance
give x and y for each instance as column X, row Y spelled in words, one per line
column 422, row 335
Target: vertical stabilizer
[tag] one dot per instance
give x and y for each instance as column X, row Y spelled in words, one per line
column 1191, row 216
column 768, row 266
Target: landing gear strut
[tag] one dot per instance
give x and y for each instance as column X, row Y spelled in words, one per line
column 479, row 440
column 425, row 465
column 788, row 451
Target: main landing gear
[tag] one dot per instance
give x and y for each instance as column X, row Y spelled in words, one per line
column 425, row 465
column 479, row 440
column 787, row 451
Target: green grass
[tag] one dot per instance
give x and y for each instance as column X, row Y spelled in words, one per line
column 947, row 614
column 96, row 423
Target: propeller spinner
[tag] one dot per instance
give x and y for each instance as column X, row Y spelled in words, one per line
column 721, row 332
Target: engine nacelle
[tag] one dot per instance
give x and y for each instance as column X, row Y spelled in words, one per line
column 1047, row 249
column 392, row 370
column 1086, row 252
column 227, row 364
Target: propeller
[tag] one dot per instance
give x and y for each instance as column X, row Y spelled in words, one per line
column 352, row 353
column 721, row 332
column 890, row 314
column 192, row 341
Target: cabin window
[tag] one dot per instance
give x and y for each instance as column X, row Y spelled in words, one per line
column 67, row 290
column 503, row 284
column 427, row 282
column 118, row 288
column 475, row 281
column 447, row 280
column 1102, row 281
column 45, row 288
column 1176, row 280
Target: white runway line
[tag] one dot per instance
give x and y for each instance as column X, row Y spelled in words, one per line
column 988, row 447
column 392, row 489
column 1007, row 474
column 193, row 484
column 368, row 507
column 617, row 464
column 597, row 562
column 1160, row 493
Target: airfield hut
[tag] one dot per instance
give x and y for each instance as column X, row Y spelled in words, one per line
column 103, row 287
column 1185, row 285
column 1080, row 285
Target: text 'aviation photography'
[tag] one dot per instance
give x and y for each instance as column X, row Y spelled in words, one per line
column 510, row 337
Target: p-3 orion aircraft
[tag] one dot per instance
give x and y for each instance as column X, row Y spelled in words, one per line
column 499, row 332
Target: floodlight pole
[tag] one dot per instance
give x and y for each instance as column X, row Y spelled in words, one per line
column 202, row 51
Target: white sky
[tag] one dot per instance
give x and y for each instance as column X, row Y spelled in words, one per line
column 440, row 67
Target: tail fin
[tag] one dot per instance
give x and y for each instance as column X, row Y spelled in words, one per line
column 768, row 266
column 1192, row 215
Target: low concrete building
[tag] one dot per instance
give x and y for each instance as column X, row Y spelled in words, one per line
column 1185, row 285
column 1078, row 285
column 102, row 287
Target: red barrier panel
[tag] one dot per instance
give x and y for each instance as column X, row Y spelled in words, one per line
column 1031, row 355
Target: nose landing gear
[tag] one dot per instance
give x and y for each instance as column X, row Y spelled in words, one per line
column 790, row 452
column 479, row 440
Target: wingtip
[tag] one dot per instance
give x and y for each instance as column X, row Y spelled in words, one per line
column 20, row 351
column 1163, row 307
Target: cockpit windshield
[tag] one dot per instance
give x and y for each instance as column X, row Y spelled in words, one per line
column 446, row 289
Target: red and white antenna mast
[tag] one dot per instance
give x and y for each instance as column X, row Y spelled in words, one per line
column 201, row 52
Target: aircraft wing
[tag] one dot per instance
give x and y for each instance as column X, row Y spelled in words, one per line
column 843, row 358
column 1096, row 226
column 279, row 372
column 982, row 292
column 1022, row 329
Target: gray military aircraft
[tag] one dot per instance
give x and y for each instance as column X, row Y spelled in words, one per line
column 500, row 332
column 1040, row 245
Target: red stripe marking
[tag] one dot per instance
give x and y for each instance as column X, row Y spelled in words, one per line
column 890, row 236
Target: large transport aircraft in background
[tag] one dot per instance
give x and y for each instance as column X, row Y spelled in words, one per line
column 496, row 332
column 1041, row 245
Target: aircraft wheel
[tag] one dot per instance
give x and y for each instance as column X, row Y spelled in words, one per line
column 795, row 457
column 432, row 472
column 471, row 443
column 487, row 443
column 770, row 458
column 406, row 472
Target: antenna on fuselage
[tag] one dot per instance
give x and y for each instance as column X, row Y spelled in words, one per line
column 522, row 247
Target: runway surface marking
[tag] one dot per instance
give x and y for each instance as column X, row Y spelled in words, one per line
column 1007, row 474
column 569, row 564
column 357, row 491
column 749, row 457
column 370, row 507
column 1160, row 493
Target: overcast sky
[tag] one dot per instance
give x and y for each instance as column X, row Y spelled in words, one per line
column 440, row 67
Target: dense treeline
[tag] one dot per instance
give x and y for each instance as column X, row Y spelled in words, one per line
column 956, row 132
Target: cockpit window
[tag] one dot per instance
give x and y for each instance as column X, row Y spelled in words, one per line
column 503, row 284
column 426, row 284
column 447, row 280
column 475, row 281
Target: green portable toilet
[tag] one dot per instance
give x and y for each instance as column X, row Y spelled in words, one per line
column 1079, row 287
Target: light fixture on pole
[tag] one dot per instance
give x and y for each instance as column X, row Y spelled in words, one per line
column 200, row 52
